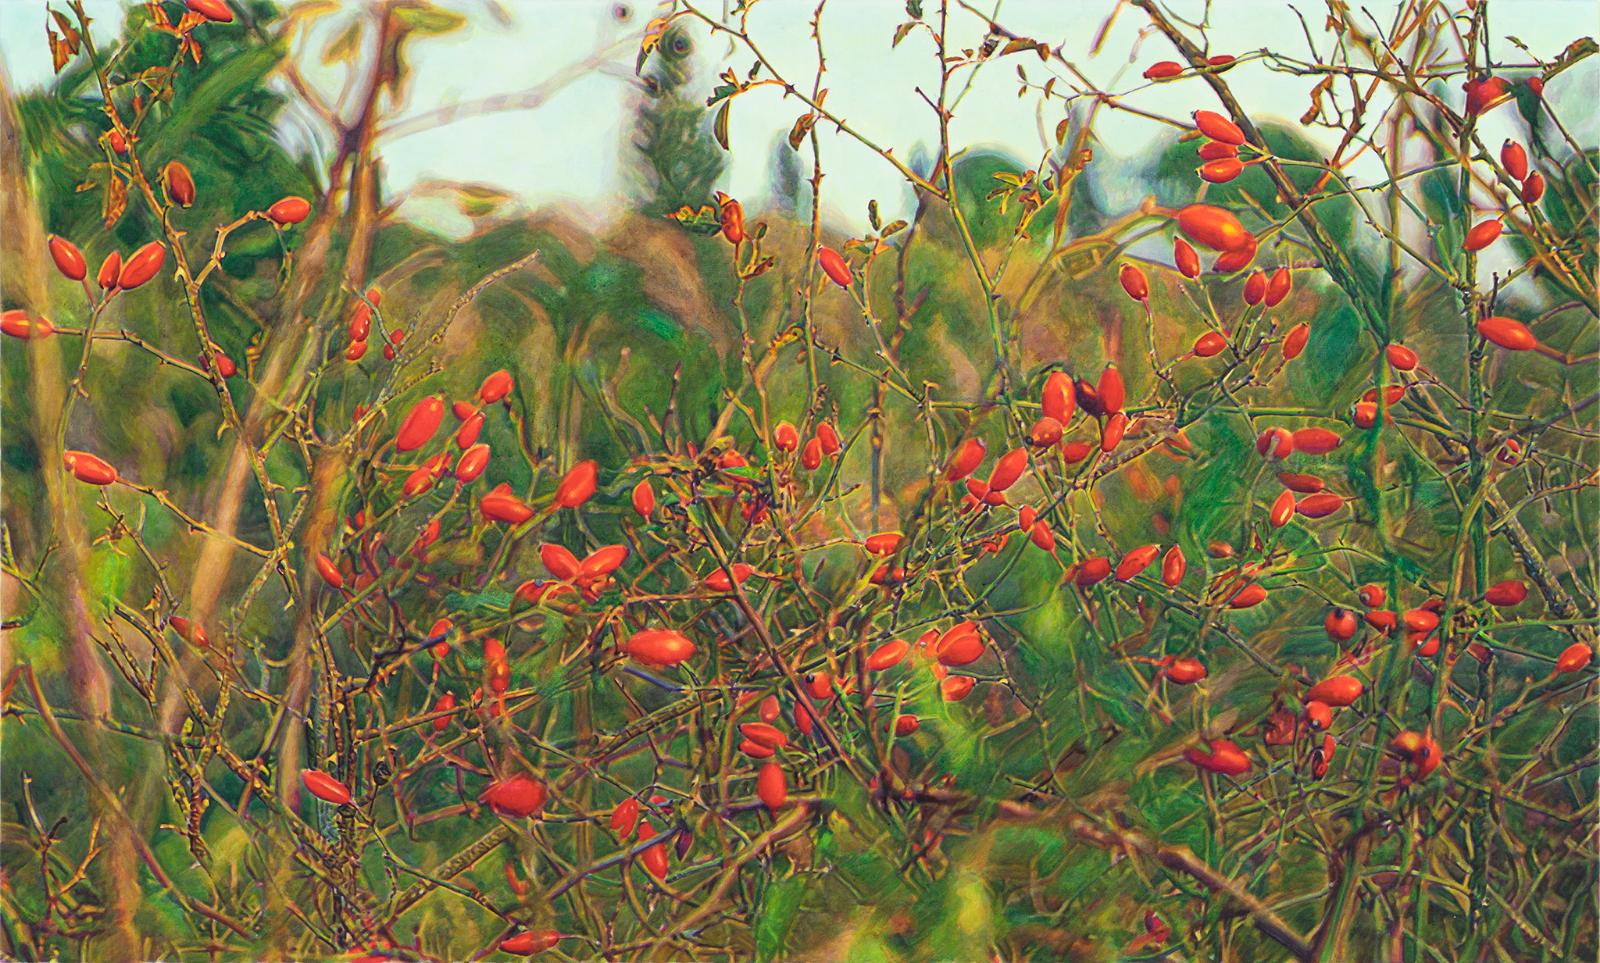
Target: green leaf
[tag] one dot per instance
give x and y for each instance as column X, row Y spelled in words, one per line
column 720, row 128
column 779, row 906
column 428, row 19
column 220, row 90
column 494, row 600
column 480, row 200
column 343, row 47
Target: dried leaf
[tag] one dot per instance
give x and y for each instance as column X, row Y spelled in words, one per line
column 702, row 221
column 68, row 34
column 653, row 32
column 1579, row 50
column 1323, row 86
column 59, row 54
column 116, row 201
column 801, row 128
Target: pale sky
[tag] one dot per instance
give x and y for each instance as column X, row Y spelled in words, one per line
column 571, row 147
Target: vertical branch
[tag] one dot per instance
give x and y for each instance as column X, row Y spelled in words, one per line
column 86, row 674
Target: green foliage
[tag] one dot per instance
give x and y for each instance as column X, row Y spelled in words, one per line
column 678, row 159
column 1042, row 817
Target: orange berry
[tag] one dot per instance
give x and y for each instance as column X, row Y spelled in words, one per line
column 1282, row 509
column 141, row 266
column 1532, row 188
column 1185, row 671
column 772, row 787
column 1237, row 259
column 1248, row 597
column 961, row 644
column 785, row 437
column 420, row 423
column 1507, row 593
column 179, row 183
column 1045, row 432
column 834, row 266
column 1133, row 282
column 1218, row 127
column 829, row 437
column 1483, row 234
column 1110, row 390
column 1278, row 287
column 1213, row 227
column 1316, row 441
column 577, row 485
column 730, row 214
column 1339, row 691
column 1507, row 333
column 289, row 210
column 216, row 11
column 1401, row 357
column 1184, row 257
column 1295, row 341
column 1514, row 159
column 1137, row 561
column 1008, row 469
column 89, row 469
column 325, row 787
column 644, row 499
column 495, row 387
column 883, row 544
column 659, row 647
column 1058, row 399
column 69, row 260
column 1255, row 288
column 887, row 655
column 1574, row 657
column 1222, row 170
column 811, row 455
column 1173, row 567
column 518, row 796
column 1209, row 345
column 1319, row 505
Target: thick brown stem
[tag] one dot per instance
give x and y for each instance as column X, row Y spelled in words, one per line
column 86, row 676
